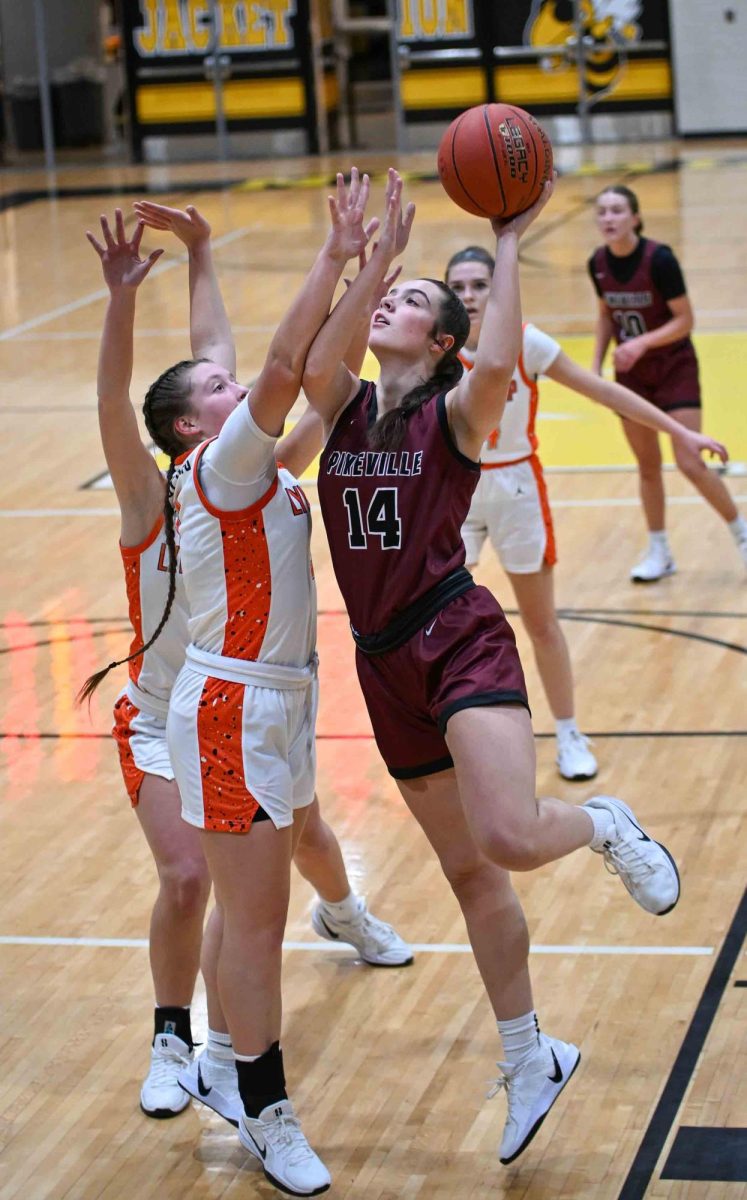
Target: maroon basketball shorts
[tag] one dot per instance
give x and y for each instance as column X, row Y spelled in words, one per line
column 668, row 380
column 465, row 657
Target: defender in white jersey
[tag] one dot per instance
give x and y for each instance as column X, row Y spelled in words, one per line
column 240, row 721
column 511, row 504
column 141, row 710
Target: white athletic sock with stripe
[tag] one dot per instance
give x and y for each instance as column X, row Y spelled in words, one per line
column 219, row 1047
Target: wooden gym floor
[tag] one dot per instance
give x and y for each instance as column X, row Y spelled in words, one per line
column 389, row 1068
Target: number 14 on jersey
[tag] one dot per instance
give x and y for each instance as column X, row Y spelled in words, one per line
column 381, row 519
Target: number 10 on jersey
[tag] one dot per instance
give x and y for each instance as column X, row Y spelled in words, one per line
column 381, row 519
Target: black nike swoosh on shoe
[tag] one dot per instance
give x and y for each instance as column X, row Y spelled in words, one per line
column 261, row 1151
column 644, row 836
column 557, row 1076
column 204, row 1091
column 331, row 932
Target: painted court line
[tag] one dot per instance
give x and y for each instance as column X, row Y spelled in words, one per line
column 420, row 947
column 103, row 293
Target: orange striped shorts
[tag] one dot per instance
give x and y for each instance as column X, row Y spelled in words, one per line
column 141, row 742
column 238, row 746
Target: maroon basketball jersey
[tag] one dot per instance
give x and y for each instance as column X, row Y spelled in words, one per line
column 393, row 518
column 636, row 306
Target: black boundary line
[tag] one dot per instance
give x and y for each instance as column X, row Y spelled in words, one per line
column 21, row 196
column 340, row 612
column 670, row 1101
column 563, row 614
column 342, row 737
column 90, row 483
column 82, row 637
column 695, row 637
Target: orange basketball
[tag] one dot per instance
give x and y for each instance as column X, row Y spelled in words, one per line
column 493, row 160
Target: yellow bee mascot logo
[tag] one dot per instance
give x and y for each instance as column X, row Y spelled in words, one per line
column 609, row 25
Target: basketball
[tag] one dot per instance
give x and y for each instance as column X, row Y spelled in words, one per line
column 493, row 160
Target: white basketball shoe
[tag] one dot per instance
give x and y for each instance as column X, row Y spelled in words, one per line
column 575, row 760
column 376, row 942
column 646, row 868
column 531, row 1089
column 215, row 1084
column 275, row 1137
column 160, row 1095
column 656, row 563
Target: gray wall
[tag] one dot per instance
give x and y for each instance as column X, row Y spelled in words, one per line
column 73, row 31
column 709, row 51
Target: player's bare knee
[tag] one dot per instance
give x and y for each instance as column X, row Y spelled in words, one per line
column 543, row 630
column 689, row 464
column 512, row 849
column 468, row 877
column 185, row 885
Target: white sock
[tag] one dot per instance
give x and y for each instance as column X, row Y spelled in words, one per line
column 344, row 910
column 738, row 527
column 219, row 1047
column 603, row 822
column 565, row 726
column 658, row 539
column 519, row 1037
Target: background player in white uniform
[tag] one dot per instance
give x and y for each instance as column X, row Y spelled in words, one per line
column 511, row 504
column 140, row 712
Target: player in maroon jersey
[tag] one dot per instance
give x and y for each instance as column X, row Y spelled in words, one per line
column 436, row 658
column 644, row 307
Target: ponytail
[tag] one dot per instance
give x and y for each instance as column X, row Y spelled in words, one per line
column 93, row 681
column 389, row 430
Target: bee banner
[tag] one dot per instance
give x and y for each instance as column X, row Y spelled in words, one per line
column 626, row 65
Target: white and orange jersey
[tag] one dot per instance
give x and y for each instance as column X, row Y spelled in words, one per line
column 146, row 569
column 515, row 439
column 248, row 573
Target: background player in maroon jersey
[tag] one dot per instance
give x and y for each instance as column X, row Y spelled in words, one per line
column 644, row 308
column 184, row 884
column 436, row 659
column 511, row 506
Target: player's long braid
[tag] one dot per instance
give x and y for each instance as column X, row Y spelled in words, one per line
column 165, row 400
column 389, row 430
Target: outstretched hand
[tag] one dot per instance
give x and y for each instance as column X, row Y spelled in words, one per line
column 395, row 230
column 189, row 225
column 120, row 257
column 404, row 223
column 521, row 222
column 349, row 236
